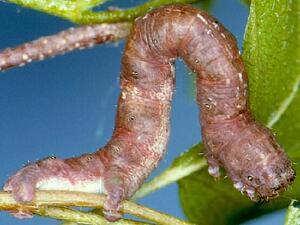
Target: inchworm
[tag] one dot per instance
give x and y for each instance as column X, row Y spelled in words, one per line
column 65, row 41
column 248, row 151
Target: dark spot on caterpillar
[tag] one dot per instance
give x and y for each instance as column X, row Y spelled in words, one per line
column 116, row 149
column 277, row 188
column 233, row 139
column 90, row 157
column 134, row 75
column 291, row 179
column 207, row 105
column 131, row 118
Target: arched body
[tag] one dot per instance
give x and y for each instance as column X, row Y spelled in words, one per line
column 232, row 138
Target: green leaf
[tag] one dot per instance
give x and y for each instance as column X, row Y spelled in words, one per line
column 292, row 215
column 271, row 54
column 68, row 9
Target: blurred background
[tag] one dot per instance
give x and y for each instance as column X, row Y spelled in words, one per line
column 65, row 106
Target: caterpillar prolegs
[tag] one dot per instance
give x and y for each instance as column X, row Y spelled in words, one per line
column 248, row 151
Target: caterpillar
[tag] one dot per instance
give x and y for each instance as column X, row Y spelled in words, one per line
column 233, row 139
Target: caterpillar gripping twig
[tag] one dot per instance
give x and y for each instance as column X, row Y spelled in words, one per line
column 248, row 151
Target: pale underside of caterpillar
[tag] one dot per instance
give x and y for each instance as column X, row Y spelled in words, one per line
column 248, row 151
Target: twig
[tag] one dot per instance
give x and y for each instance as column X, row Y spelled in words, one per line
column 65, row 41
column 65, row 198
column 90, row 17
column 73, row 217
column 77, row 11
column 69, row 223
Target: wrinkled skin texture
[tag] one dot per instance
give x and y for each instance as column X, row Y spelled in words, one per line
column 248, row 151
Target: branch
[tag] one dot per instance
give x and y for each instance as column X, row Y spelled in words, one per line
column 65, row 198
column 75, row 38
column 77, row 11
column 65, row 41
column 73, row 217
column 90, row 17
column 69, row 223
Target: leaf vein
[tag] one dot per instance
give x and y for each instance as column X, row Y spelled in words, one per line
column 276, row 115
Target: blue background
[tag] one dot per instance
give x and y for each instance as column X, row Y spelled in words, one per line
column 66, row 105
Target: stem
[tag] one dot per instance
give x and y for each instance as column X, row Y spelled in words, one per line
column 77, row 11
column 73, row 217
column 65, row 41
column 89, row 17
column 65, row 198
column 169, row 176
column 69, row 223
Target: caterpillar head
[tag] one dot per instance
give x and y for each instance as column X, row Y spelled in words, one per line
column 257, row 164
column 264, row 182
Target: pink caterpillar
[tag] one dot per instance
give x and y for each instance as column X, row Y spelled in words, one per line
column 248, row 151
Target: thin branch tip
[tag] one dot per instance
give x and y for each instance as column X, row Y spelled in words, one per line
column 46, row 199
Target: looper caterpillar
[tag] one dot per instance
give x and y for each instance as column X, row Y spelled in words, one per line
column 233, row 139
